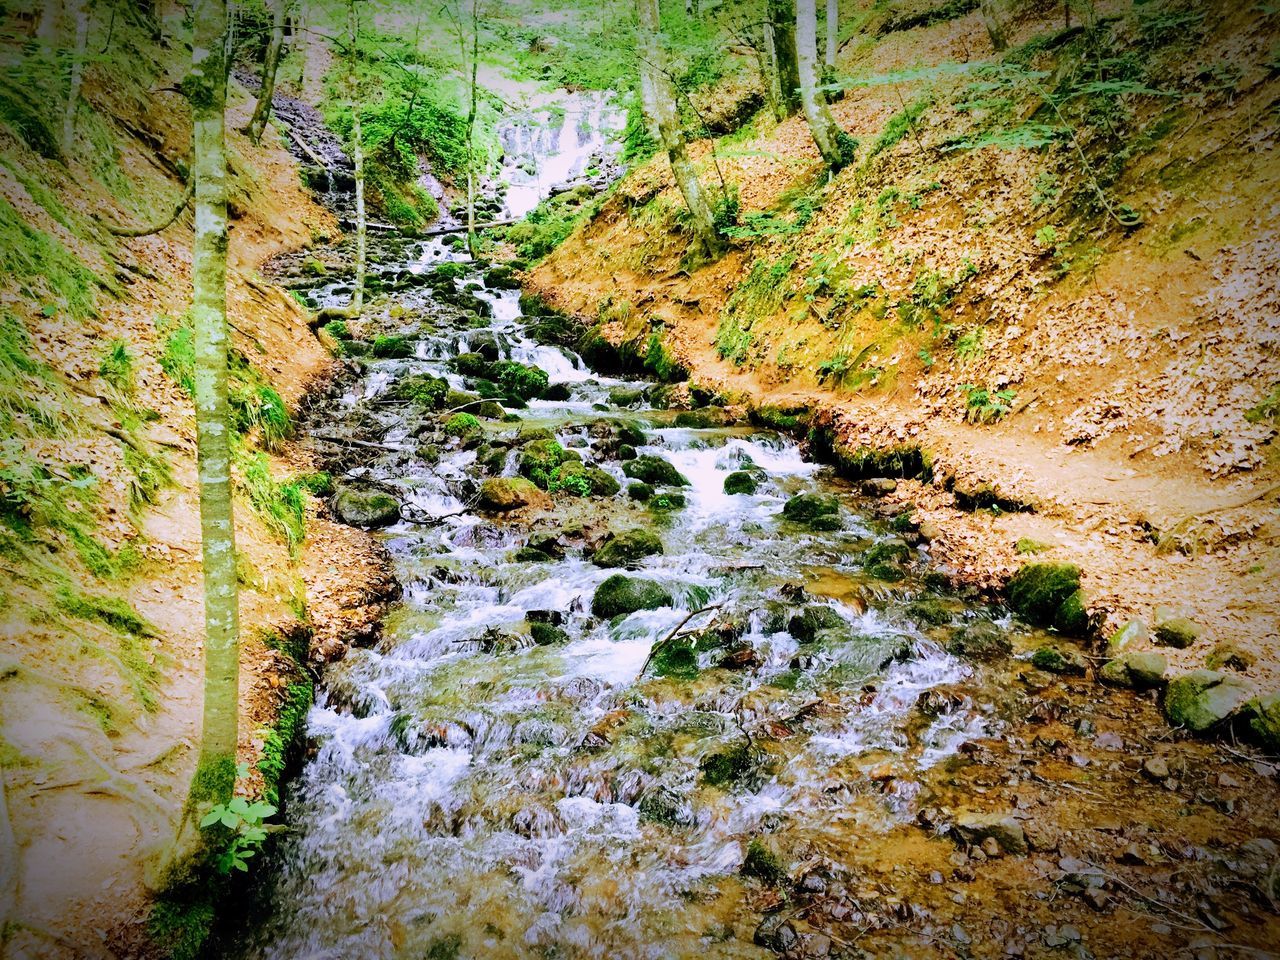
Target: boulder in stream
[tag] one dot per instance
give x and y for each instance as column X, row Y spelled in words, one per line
column 655, row 470
column 1138, row 669
column 621, row 595
column 808, row 507
column 504, row 494
column 740, row 481
column 1049, row 594
column 980, row 640
column 370, row 509
column 628, row 548
column 974, row 828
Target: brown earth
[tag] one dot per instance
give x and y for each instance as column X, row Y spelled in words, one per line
column 1132, row 371
column 95, row 781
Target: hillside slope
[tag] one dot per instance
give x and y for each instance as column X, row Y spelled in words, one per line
column 1055, row 272
column 100, row 546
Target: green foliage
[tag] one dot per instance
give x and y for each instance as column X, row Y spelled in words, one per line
column 760, row 294
column 575, row 483
column 260, row 406
column 422, row 390
column 43, row 267
column 337, row 329
column 282, row 506
column 319, row 484
column 244, row 822
column 32, row 401
column 900, row 124
column 659, row 361
column 518, row 379
column 135, row 635
column 932, row 291
column 117, row 367
column 149, row 473
column 763, row 864
column 391, row 347
column 284, row 737
column 461, row 424
column 180, row 927
column 969, row 344
column 983, row 405
column 1267, row 409
column 178, row 359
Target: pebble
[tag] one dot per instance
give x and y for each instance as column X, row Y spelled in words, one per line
column 1156, row 768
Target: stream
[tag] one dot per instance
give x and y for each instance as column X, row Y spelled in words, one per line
column 497, row 777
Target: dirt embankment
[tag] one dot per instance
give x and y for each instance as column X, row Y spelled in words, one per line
column 101, row 642
column 1084, row 390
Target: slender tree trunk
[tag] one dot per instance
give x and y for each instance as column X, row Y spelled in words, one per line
column 661, row 107
column 357, row 155
column 833, row 32
column 80, row 17
column 774, row 79
column 995, row 29
column 262, row 110
column 47, row 31
column 216, row 773
column 782, row 21
column 471, row 128
column 825, row 132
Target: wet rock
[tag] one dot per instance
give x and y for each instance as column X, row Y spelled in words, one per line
column 726, row 765
column 879, row 486
column 620, row 595
column 812, row 620
column 1263, row 714
column 546, row 542
column 540, row 458
column 1155, row 768
column 547, row 634
column 628, row 548
column 1229, row 656
column 576, row 477
column 740, row 481
column 626, row 396
column 639, row 491
column 655, row 470
column 1203, row 699
column 980, row 640
column 661, row 804
column 1048, row 594
column 1061, row 659
column 667, row 500
column 929, row 611
column 370, row 509
column 504, row 494
column 1136, row 669
column 974, row 828
column 775, row 932
column 703, row 419
column 763, row 864
column 928, row 531
column 470, row 365
column 626, row 452
column 1132, row 634
column 740, row 658
column 1177, row 632
column 808, row 507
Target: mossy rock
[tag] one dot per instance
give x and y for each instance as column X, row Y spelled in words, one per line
column 1204, row 699
column 980, row 640
column 547, row 634
column 826, row 524
column 1060, row 659
column 391, row 348
column 893, row 550
column 1132, row 634
column 675, row 659
column 930, row 611
column 519, row 379
column 1136, row 669
column 620, row 595
column 1072, row 617
column 470, row 365
column 812, row 619
column 808, row 507
column 532, row 555
column 1047, row 593
column 668, row 500
column 626, row 452
column 741, row 481
column 726, row 766
column 630, row 432
column 1177, row 632
column 626, row 396
column 639, row 491
column 539, row 459
column 1263, row 714
column 422, row 390
column 763, row 864
column 655, row 470
column 627, row 549
column 1228, row 656
column 703, row 419
column 370, row 509
column 504, row 494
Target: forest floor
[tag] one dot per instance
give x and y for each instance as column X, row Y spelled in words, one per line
column 1126, row 451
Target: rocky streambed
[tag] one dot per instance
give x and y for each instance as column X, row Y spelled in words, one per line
column 662, row 686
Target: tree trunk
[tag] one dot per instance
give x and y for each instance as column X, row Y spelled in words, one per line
column 660, row 106
column 471, row 128
column 80, row 17
column 824, row 130
column 995, row 29
column 262, row 110
column 216, row 772
column 774, row 81
column 833, row 32
column 47, row 31
column 782, row 24
column 357, row 156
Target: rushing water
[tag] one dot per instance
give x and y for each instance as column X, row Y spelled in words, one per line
column 473, row 794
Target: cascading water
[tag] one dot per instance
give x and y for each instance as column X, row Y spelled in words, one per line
column 474, row 794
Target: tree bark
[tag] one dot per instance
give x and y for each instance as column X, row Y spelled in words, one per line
column 833, row 32
column 80, row 17
column 782, row 30
column 471, row 128
column 660, row 106
column 262, row 110
column 216, row 772
column 357, row 156
column 824, row 130
column 995, row 29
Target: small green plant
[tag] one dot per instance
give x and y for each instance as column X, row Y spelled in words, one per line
column 244, row 820
column 262, row 407
column 969, row 344
column 1027, row 545
column 461, row 424
column 117, row 367
column 178, row 359
column 575, row 483
column 282, row 506
column 986, row 406
column 1045, row 190
column 1268, row 408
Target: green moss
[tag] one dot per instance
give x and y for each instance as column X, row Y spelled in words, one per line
column 808, row 507
column 1038, row 590
column 675, row 659
column 391, row 348
column 757, row 297
column 422, row 390
column 518, row 379
column 284, row 738
column 763, row 864
column 726, row 766
column 180, row 928
column 461, row 424
column 621, row 595
column 656, row 470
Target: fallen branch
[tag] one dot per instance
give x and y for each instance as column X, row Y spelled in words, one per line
column 118, row 231
column 366, row 444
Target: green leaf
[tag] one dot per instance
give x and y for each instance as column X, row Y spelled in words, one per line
column 238, row 805
column 229, row 819
column 212, row 817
